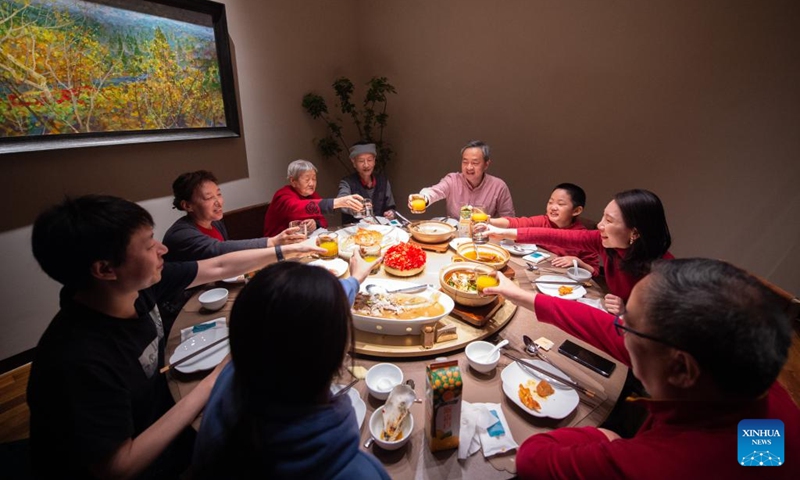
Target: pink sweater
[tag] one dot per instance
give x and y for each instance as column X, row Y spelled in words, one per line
column 492, row 193
column 678, row 439
column 619, row 283
column 541, row 221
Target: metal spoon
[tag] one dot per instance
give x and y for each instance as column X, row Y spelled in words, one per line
column 533, row 349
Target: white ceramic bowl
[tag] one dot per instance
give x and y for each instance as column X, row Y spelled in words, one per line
column 376, row 427
column 476, row 351
column 382, row 378
column 581, row 275
column 430, row 231
column 214, row 299
column 395, row 326
column 470, row 299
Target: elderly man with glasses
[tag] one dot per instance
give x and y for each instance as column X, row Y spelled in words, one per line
column 707, row 340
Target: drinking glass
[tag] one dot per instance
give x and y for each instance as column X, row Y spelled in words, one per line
column 480, row 234
column 483, row 280
column 417, row 203
column 370, row 253
column 301, row 224
column 479, row 214
column 328, row 241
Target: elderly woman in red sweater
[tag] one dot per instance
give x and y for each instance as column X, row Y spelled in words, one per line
column 632, row 234
column 299, row 201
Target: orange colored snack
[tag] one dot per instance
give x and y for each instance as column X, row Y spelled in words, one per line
column 527, row 398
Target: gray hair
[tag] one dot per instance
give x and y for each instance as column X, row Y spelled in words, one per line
column 478, row 144
column 729, row 321
column 298, row 167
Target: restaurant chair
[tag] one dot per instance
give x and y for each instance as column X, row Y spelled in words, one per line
column 246, row 222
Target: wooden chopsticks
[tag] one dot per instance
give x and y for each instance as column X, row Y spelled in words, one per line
column 193, row 354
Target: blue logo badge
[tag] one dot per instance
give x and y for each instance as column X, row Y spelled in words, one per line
column 761, row 443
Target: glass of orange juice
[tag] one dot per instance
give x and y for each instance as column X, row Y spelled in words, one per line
column 417, row 203
column 330, row 242
column 483, row 281
column 479, row 214
column 370, row 253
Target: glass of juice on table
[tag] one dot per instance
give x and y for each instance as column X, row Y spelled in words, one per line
column 484, row 281
column 330, row 242
column 417, row 203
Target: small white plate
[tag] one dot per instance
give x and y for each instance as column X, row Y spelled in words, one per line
column 358, row 404
column 206, row 360
column 521, row 250
column 558, row 405
column 552, row 288
column 337, row 266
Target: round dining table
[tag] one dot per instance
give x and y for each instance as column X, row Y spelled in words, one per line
column 415, row 460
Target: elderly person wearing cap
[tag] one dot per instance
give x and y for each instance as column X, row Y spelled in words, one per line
column 366, row 183
column 299, row 201
column 471, row 186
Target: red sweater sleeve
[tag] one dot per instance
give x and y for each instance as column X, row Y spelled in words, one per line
column 528, row 222
column 590, row 324
column 566, row 453
column 573, row 239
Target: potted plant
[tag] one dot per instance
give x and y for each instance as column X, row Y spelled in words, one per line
column 369, row 120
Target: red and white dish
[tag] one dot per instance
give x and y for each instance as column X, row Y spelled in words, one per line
column 404, row 260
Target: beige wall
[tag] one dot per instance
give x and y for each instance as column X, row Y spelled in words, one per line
column 696, row 101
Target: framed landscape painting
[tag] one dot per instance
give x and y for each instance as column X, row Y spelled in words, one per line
column 79, row 73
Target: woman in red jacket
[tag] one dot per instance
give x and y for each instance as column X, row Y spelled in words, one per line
column 632, row 234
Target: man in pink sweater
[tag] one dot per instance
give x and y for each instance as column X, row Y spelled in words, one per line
column 707, row 340
column 471, row 186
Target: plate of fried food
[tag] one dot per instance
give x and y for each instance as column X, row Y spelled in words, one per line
column 570, row 290
column 356, row 236
column 537, row 395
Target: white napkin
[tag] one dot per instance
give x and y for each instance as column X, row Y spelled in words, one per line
column 593, row 302
column 190, row 332
column 480, row 427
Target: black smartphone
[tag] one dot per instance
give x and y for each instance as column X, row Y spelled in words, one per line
column 587, row 358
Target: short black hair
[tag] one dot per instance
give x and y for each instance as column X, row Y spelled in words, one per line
column 70, row 236
column 575, row 192
column 184, row 186
column 736, row 327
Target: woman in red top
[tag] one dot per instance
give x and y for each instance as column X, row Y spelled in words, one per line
column 300, row 201
column 632, row 234
column 565, row 205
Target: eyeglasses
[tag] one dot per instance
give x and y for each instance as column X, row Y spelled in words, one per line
column 622, row 329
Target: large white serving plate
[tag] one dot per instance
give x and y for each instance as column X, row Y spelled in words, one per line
column 558, row 405
column 551, row 289
column 391, row 236
column 390, row 326
column 209, row 358
column 358, row 404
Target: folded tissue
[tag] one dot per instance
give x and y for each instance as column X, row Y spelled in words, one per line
column 483, row 425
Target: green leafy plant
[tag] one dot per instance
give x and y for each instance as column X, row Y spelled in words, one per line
column 369, row 120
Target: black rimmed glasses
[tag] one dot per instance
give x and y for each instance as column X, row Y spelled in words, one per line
column 622, row 329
